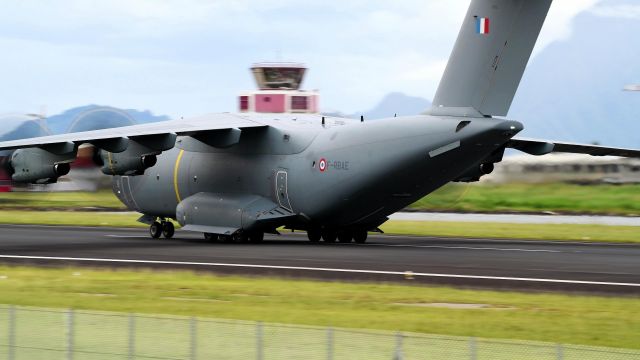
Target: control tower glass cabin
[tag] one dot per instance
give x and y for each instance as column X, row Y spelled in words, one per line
column 279, row 90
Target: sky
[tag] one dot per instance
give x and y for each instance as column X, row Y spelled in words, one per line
column 188, row 57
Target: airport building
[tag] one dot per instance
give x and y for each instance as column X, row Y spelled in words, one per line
column 573, row 168
column 278, row 90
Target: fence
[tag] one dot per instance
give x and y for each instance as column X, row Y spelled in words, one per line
column 35, row 333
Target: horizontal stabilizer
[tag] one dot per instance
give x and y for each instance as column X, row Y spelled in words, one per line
column 542, row 147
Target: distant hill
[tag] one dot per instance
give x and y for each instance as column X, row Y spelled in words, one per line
column 395, row 103
column 91, row 117
column 572, row 90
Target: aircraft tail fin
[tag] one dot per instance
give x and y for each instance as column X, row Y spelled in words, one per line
column 489, row 57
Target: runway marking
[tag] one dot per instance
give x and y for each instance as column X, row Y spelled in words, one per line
column 402, row 245
column 469, row 248
column 305, row 268
column 128, row 236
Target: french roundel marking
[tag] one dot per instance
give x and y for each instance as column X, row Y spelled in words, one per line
column 322, row 165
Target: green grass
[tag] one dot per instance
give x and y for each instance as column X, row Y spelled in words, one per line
column 103, row 199
column 555, row 197
column 76, row 218
column 588, row 320
column 579, row 232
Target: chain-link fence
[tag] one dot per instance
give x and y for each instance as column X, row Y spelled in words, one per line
column 34, row 333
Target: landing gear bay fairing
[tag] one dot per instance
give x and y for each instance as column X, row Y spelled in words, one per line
column 238, row 176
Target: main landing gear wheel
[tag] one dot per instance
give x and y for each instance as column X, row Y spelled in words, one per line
column 360, row 236
column 345, row 237
column 210, row 237
column 329, row 236
column 168, row 229
column 256, row 237
column 314, row 235
column 155, row 230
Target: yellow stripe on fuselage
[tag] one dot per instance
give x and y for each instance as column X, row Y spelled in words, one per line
column 110, row 163
column 176, row 169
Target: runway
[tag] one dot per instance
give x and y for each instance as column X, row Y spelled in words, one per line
column 484, row 263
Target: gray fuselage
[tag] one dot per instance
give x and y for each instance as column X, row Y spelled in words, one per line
column 342, row 174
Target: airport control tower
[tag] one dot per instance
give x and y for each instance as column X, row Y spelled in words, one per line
column 279, row 90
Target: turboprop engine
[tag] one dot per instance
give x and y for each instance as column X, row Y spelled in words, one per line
column 125, row 163
column 41, row 165
column 139, row 155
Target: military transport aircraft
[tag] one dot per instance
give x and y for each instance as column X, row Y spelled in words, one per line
column 237, row 176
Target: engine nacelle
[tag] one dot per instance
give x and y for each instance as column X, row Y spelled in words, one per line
column 139, row 155
column 475, row 173
column 124, row 163
column 38, row 166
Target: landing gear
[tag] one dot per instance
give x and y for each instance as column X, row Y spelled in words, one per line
column 360, row 236
column 168, row 229
column 155, row 230
column 256, row 237
column 164, row 228
column 329, row 236
column 345, row 236
column 243, row 237
column 314, row 235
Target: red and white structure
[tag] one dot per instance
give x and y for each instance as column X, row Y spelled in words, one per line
column 279, row 90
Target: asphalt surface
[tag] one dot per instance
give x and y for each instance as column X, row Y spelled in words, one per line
column 484, row 263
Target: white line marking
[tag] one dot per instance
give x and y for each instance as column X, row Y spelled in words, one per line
column 468, row 248
column 304, row 268
column 127, row 236
column 402, row 245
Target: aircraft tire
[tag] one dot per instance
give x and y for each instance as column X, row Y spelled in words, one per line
column 155, row 230
column 168, row 229
column 227, row 239
column 329, row 236
column 314, row 235
column 345, row 237
column 256, row 237
column 360, row 236
column 210, row 237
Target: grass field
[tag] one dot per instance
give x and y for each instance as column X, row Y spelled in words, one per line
column 564, row 198
column 588, row 320
column 557, row 197
column 103, row 199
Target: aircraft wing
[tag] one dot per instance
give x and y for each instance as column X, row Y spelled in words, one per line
column 542, row 147
column 203, row 124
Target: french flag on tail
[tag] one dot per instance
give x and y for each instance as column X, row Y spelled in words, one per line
column 482, row 25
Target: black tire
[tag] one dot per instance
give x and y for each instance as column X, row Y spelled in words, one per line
column 241, row 238
column 314, row 235
column 345, row 237
column 155, row 230
column 227, row 239
column 329, row 236
column 360, row 236
column 210, row 237
column 256, row 237
column 168, row 229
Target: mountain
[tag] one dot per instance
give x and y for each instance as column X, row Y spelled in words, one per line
column 395, row 103
column 572, row 90
column 93, row 117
